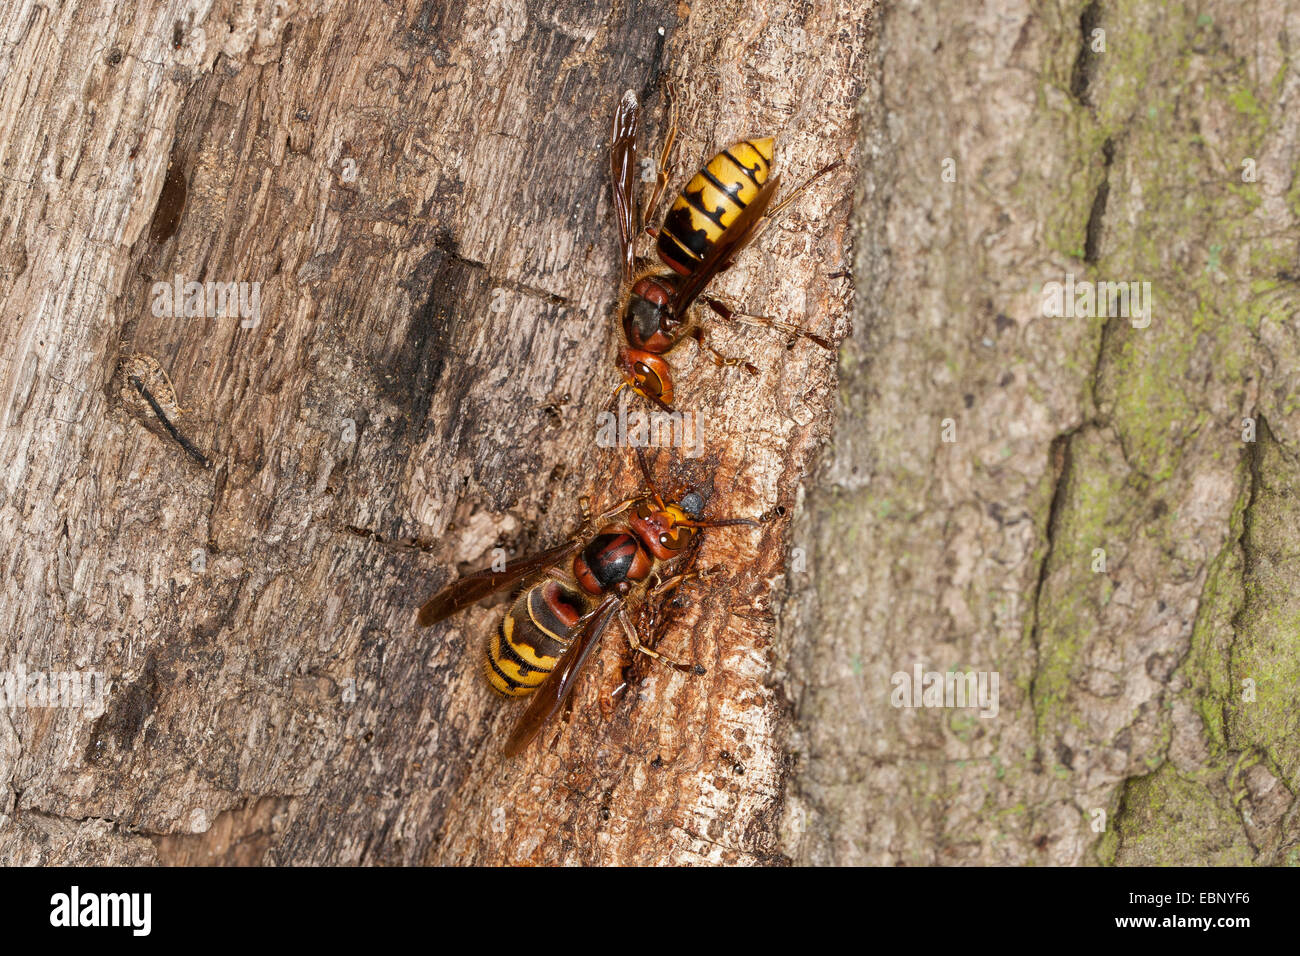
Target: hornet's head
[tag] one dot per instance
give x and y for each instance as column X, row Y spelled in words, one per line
column 648, row 375
column 668, row 530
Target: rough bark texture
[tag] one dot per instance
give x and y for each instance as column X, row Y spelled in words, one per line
column 422, row 191
column 1126, row 732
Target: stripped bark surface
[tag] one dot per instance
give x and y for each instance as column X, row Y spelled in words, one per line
column 421, row 191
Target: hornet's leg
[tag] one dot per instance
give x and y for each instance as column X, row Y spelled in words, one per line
column 772, row 216
column 630, row 629
column 719, row 359
column 726, row 312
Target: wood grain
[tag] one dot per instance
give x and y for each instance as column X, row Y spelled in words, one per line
column 420, row 191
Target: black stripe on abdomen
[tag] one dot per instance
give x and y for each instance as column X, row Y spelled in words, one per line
column 678, row 225
column 731, row 190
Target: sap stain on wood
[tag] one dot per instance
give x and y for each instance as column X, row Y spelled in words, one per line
column 171, row 202
column 126, row 716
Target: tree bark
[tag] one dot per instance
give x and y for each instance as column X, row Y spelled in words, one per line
column 421, row 191
column 1113, row 528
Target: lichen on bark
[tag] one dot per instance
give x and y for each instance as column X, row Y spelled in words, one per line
column 1159, row 150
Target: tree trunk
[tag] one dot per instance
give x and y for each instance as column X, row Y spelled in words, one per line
column 1100, row 512
column 420, row 194
column 1112, row 530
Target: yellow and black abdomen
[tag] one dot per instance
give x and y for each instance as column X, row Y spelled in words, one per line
column 533, row 634
column 712, row 201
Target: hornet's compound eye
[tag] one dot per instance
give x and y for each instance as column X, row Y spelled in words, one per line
column 643, row 508
column 647, row 379
column 693, row 504
column 677, row 539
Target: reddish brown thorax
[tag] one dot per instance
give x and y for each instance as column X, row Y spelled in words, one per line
column 616, row 558
column 648, row 322
column 611, row 562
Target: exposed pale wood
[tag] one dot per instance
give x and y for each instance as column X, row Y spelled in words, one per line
column 465, row 277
